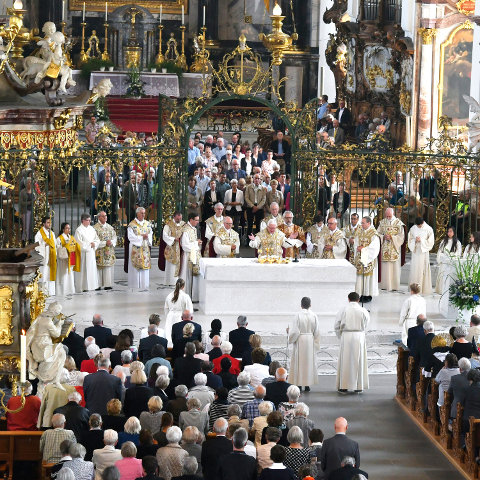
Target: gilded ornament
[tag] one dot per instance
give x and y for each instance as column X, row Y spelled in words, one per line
column 6, row 315
column 405, row 98
column 428, row 34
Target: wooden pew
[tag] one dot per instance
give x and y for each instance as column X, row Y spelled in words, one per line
column 402, row 360
column 432, row 407
column 445, row 434
column 472, row 443
column 17, row 446
column 409, row 384
column 457, row 434
column 421, row 388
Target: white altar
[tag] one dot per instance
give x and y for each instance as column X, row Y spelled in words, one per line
column 242, row 286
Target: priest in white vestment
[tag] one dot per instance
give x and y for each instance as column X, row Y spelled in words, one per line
column 68, row 261
column 305, row 337
column 86, row 236
column 350, row 231
column 175, row 304
column 227, row 241
column 412, row 307
column 449, row 250
column 191, row 246
column 172, row 231
column 105, row 252
column 48, row 250
column 392, row 236
column 140, row 236
column 313, row 235
column 367, row 247
column 269, row 242
column 420, row 241
column 350, row 326
column 332, row 243
column 212, row 225
column 274, row 214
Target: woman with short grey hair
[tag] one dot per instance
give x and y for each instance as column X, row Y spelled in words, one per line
column 81, row 469
column 130, row 432
column 129, row 466
column 300, row 419
column 152, row 419
column 296, row 454
column 260, row 422
column 462, row 348
column 194, row 417
column 287, row 408
column 126, row 356
column 170, row 458
column 191, row 443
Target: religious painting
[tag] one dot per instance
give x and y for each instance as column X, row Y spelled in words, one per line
column 455, row 74
column 168, row 6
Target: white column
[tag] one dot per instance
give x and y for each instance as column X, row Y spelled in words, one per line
column 475, row 85
column 326, row 80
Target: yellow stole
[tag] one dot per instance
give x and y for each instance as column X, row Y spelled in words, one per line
column 72, row 247
column 52, row 258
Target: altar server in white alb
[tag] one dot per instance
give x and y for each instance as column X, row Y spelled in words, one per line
column 191, row 246
column 367, row 247
column 305, row 337
column 420, row 241
column 140, row 236
column 48, row 250
column 412, row 307
column 105, row 253
column 350, row 326
column 392, row 235
column 69, row 259
column 172, row 231
column 227, row 241
column 86, row 236
column 175, row 304
column 449, row 250
column 472, row 250
column 332, row 243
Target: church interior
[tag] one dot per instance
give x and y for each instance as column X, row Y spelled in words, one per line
column 133, row 122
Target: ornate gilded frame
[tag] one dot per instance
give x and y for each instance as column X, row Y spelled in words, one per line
column 168, row 6
column 6, row 315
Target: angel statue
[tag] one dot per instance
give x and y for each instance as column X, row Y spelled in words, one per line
column 46, row 358
column 474, row 124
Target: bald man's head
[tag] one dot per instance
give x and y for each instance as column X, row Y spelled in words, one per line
column 281, row 374
column 341, row 425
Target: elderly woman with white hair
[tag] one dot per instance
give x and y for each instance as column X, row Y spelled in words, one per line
column 244, row 392
column 130, row 433
column 297, row 455
column 152, row 419
column 89, row 365
column 461, row 347
column 234, row 413
column 179, row 344
column 300, row 420
column 287, row 409
column 260, row 422
column 161, row 384
column 192, row 443
column 194, row 417
column 126, row 356
column 81, row 469
column 445, row 375
column 226, row 349
column 75, row 376
column 170, row 458
column 204, row 394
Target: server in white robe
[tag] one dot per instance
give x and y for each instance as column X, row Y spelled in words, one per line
column 105, row 252
column 392, row 235
column 305, row 337
column 472, row 250
column 48, row 250
column 191, row 246
column 176, row 302
column 332, row 243
column 86, row 236
column 350, row 231
column 350, row 326
column 449, row 249
column 313, row 236
column 367, row 247
column 172, row 231
column 140, row 236
column 420, row 241
column 412, row 307
column 227, row 241
column 68, row 255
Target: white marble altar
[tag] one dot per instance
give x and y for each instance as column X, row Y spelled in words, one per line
column 244, row 285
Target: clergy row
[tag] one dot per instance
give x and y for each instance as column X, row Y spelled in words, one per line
column 85, row 261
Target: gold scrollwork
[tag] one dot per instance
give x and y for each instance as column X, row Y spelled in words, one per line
column 428, row 34
column 6, row 315
column 37, row 299
column 405, row 98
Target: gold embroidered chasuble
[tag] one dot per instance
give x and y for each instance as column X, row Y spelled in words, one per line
column 227, row 237
column 172, row 253
column 391, row 249
column 271, row 243
column 194, row 255
column 141, row 255
column 330, row 239
column 364, row 238
column 105, row 256
column 287, row 231
column 315, row 235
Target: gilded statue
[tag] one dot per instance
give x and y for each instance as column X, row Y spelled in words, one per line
column 93, row 50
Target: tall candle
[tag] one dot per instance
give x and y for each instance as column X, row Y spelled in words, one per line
column 106, row 12
column 183, row 15
column 161, row 8
column 204, row 15
column 63, row 10
column 23, row 357
column 83, row 12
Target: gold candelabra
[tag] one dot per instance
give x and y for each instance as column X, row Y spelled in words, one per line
column 63, row 24
column 182, row 59
column 201, row 64
column 83, row 54
column 105, row 55
column 277, row 42
column 15, row 34
column 160, row 58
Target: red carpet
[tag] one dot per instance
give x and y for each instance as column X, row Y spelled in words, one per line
column 134, row 115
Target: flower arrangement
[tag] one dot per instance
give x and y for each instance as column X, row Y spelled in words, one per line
column 465, row 289
column 135, row 84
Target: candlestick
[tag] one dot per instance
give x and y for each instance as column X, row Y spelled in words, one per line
column 159, row 58
column 161, row 8
column 106, row 12
column 182, row 59
column 83, row 19
column 83, row 55
column 204, row 15
column 63, row 24
column 183, row 15
column 63, row 10
column 23, row 357
column 105, row 55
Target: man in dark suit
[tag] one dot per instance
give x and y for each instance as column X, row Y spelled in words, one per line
column 213, row 381
column 415, row 334
column 336, row 448
column 107, row 196
column 76, row 347
column 337, row 133
column 239, row 338
column 76, row 416
column 147, row 343
column 237, row 465
column 347, row 471
column 216, row 351
column 177, row 328
column 186, row 367
column 214, row 448
column 459, row 385
column 210, row 199
column 283, row 186
column 276, row 391
column 130, row 196
column 423, row 349
column 98, row 332
column 235, row 172
column 472, row 399
column 281, row 152
column 428, row 188
column 343, row 115
column 100, row 387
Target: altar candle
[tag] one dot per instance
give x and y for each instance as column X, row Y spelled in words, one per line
column 183, row 15
column 23, row 357
column 83, row 12
column 161, row 8
column 106, row 12
column 204, row 15
column 63, row 10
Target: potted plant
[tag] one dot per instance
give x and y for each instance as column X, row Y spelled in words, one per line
column 169, row 66
column 94, row 64
column 152, row 67
column 465, row 289
column 135, row 84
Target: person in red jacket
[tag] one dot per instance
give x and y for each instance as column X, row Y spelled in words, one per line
column 226, row 348
column 26, row 418
column 89, row 365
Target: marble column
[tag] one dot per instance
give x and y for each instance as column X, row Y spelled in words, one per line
column 425, row 95
column 475, row 86
column 326, row 79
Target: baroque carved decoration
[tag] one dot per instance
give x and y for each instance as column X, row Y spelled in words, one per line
column 6, row 315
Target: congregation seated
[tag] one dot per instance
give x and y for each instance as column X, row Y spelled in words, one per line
column 126, row 358
column 124, row 342
column 179, row 404
column 75, row 377
column 146, row 344
column 474, row 329
column 226, row 348
column 170, row 458
column 108, row 455
column 415, row 334
column 255, row 341
column 129, row 466
column 89, row 366
column 98, row 331
column 300, row 420
column 234, row 413
column 277, row 391
column 131, row 431
column 137, row 396
column 239, row 338
column 199, row 352
column 244, row 392
column 194, row 416
column 27, row 417
column 315, row 440
column 462, row 348
column 200, row 391
column 214, row 337
column 459, row 385
column 258, row 370
column 76, row 346
column 146, row 445
column 187, row 366
column 93, row 438
column 272, row 437
column 177, row 328
column 237, row 461
column 250, row 409
column 275, row 420
column 76, row 416
column 444, row 376
column 213, row 381
column 287, row 409
column 179, row 343
column 161, row 385
column 161, row 436
column 82, row 470
column 218, row 408
column 152, row 419
column 471, row 406
column 158, row 355
column 214, row 448
column 278, row 468
column 51, row 439
column 347, row 470
column 272, row 369
column 189, row 470
column 215, row 351
column 153, row 319
column 114, row 419
column 229, row 380
column 192, row 443
column 296, row 454
column 259, row 422
column 65, row 452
